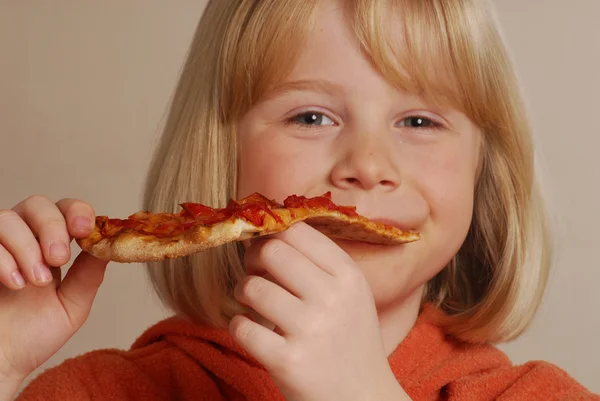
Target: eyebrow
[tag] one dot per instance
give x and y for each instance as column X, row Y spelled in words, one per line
column 305, row 85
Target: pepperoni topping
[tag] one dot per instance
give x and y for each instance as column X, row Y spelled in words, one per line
column 253, row 208
column 197, row 210
column 318, row 202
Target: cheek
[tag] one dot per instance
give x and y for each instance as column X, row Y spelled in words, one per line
column 277, row 166
column 450, row 195
column 446, row 179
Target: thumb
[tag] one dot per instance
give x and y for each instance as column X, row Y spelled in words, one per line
column 80, row 286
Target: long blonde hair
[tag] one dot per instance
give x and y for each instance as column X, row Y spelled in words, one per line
column 493, row 286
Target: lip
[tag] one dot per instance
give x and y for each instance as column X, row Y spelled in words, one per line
column 390, row 222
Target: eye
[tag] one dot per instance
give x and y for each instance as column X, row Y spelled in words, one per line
column 419, row 122
column 311, row 119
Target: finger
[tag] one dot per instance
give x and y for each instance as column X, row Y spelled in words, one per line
column 317, row 247
column 270, row 301
column 16, row 237
column 9, row 271
column 287, row 266
column 79, row 215
column 80, row 286
column 264, row 345
column 47, row 223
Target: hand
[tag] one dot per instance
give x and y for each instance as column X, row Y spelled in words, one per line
column 38, row 313
column 327, row 344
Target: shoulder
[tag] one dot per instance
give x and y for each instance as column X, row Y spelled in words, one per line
column 430, row 361
column 103, row 374
column 533, row 380
column 492, row 375
column 145, row 372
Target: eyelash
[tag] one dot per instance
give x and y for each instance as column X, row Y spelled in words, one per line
column 293, row 119
column 434, row 125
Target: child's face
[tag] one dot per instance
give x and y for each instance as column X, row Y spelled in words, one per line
column 336, row 125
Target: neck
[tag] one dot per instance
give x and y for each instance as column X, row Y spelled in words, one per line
column 397, row 319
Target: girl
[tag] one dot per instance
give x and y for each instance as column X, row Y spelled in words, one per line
column 408, row 109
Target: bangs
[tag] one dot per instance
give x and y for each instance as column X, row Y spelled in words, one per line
column 432, row 48
column 264, row 41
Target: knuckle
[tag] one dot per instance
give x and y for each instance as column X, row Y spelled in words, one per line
column 269, row 248
column 33, row 204
column 240, row 328
column 79, row 205
column 290, row 361
column 25, row 251
column 36, row 199
column 52, row 225
column 72, row 207
column 311, row 327
column 73, row 203
column 252, row 287
column 329, row 300
column 292, row 230
column 33, row 207
column 352, row 278
column 8, row 265
column 8, row 215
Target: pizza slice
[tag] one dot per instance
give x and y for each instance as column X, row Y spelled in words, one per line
column 145, row 236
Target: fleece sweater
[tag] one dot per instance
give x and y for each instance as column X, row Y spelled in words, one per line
column 178, row 360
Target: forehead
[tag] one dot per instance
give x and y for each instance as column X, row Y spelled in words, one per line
column 331, row 55
column 360, row 51
column 413, row 45
column 330, row 39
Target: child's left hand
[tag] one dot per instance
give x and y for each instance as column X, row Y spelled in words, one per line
column 327, row 344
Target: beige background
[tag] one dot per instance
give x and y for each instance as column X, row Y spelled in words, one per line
column 83, row 91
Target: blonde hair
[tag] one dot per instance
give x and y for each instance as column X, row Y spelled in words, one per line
column 241, row 48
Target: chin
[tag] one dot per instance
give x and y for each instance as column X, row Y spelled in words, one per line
column 386, row 267
column 394, row 272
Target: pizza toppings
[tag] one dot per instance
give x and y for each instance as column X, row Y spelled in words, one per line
column 159, row 225
column 146, row 236
column 295, row 201
column 253, row 209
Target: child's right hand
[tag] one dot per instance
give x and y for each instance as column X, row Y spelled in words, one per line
column 38, row 313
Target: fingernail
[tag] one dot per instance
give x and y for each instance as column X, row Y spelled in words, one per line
column 41, row 273
column 82, row 223
column 18, row 280
column 58, row 250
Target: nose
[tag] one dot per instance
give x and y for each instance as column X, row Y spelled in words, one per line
column 366, row 162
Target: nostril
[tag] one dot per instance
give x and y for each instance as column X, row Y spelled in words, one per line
column 351, row 180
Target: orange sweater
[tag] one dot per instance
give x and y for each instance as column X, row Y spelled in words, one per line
column 176, row 360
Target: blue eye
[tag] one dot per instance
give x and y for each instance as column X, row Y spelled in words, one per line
column 311, row 119
column 418, row 122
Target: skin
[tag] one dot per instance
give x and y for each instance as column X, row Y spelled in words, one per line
column 40, row 317
column 329, row 313
column 336, row 125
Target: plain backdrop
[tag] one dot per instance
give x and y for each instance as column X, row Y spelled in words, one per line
column 84, row 87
